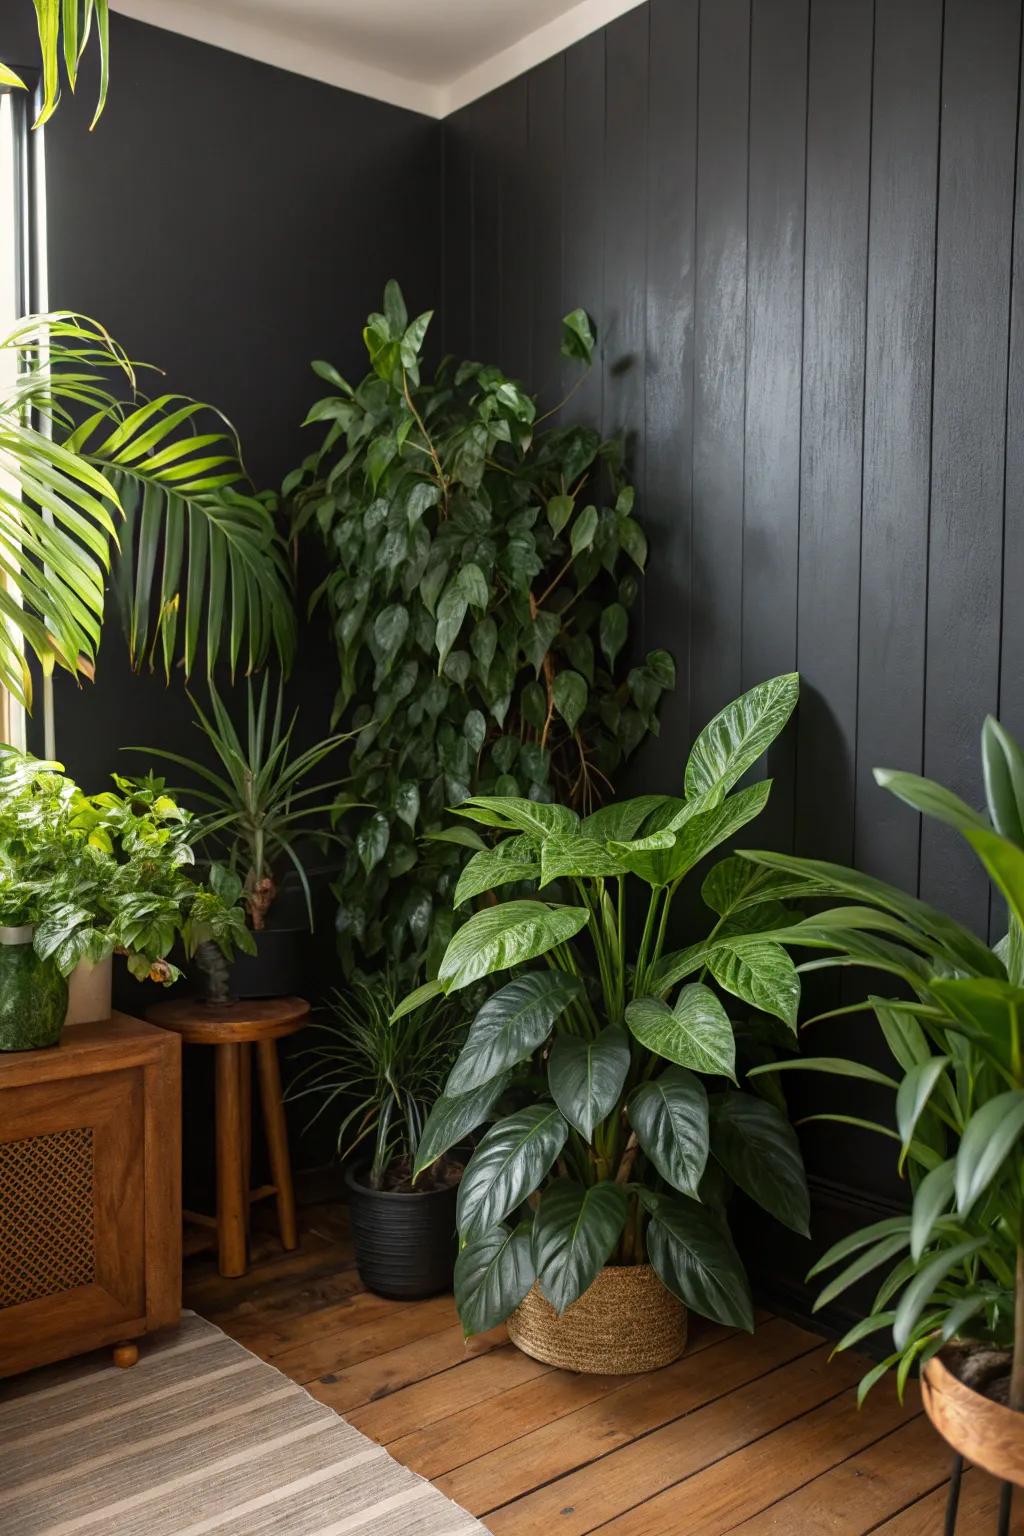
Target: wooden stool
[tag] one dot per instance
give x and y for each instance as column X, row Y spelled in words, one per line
column 231, row 1029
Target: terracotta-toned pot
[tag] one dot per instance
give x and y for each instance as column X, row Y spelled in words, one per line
column 985, row 1433
column 626, row 1321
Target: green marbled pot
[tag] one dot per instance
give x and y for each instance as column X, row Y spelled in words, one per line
column 33, row 995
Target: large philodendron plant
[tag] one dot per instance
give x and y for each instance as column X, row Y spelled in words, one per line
column 97, row 480
column 955, row 1262
column 619, row 1064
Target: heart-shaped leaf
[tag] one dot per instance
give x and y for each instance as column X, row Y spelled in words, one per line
column 757, row 1147
column 513, row 859
column 573, row 1233
column 504, row 936
column 492, row 1275
column 670, row 1118
column 510, row 1162
column 569, row 692
column 510, row 1026
column 693, row 1254
column 694, row 1033
column 586, row 1076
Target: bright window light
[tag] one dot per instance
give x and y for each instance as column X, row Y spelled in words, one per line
column 12, row 716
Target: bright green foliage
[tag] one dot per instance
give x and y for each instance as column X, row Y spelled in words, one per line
column 98, row 484
column 639, row 1130
column 258, row 803
column 64, row 28
column 482, row 569
column 957, row 1040
column 383, row 1076
column 102, row 873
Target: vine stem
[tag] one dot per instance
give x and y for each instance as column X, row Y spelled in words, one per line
column 442, row 482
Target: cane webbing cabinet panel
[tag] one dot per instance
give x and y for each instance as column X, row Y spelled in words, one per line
column 90, row 1191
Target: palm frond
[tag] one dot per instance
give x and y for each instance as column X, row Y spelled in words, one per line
column 153, row 488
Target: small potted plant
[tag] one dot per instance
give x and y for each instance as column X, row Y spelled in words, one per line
column 953, row 1294
column 383, row 1079
column 88, row 877
column 257, row 806
column 592, row 1213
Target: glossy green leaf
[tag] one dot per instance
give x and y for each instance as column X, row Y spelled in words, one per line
column 507, row 935
column 929, row 798
column 670, row 1117
column 574, row 1232
column 492, row 1275
column 586, row 1076
column 740, row 733
column 511, row 1161
column 612, row 631
column 758, row 1149
column 869, row 1259
column 511, row 860
column 451, row 1120
column 1003, row 765
column 693, row 1255
column 914, row 1093
column 992, row 1133
column 932, row 1199
column 578, row 336
column 569, row 692
column 921, row 1288
column 695, row 1032
column 761, row 974
column 510, row 1026
column 372, row 840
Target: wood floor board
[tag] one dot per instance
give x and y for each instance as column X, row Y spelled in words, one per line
column 710, row 1402
column 744, row 1436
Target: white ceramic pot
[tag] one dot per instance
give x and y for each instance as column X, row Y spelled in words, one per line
column 17, row 935
column 89, row 992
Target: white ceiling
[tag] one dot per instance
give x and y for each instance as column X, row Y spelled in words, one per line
column 432, row 56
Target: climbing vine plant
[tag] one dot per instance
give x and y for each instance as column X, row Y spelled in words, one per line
column 483, row 564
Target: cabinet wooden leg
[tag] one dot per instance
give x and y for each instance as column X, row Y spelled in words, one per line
column 245, row 1078
column 277, row 1141
column 126, row 1355
column 232, row 1197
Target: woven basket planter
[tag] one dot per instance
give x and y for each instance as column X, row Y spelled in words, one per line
column 626, row 1322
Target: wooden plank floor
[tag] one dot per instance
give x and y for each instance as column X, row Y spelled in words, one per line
column 754, row 1435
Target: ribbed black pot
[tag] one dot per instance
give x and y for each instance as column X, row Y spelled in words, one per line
column 405, row 1244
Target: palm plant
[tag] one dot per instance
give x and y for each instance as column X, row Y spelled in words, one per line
column 957, row 1257
column 259, row 807
column 64, row 28
column 384, row 1076
column 90, row 480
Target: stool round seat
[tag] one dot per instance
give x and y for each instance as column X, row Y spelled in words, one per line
column 232, row 1029
column 242, row 1023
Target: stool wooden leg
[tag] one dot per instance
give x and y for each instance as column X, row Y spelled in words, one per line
column 245, row 1076
column 277, row 1140
column 232, row 1198
column 126, row 1355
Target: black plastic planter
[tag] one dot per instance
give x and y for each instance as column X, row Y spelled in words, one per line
column 405, row 1243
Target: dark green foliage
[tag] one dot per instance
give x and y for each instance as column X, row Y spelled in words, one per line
column 482, row 569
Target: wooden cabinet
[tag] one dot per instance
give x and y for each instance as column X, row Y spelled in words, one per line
column 90, row 1191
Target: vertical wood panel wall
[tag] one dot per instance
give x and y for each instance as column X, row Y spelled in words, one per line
column 794, row 222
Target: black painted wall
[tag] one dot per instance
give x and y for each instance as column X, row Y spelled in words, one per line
column 795, row 224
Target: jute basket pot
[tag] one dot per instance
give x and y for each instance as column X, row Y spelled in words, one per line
column 985, row 1433
column 625, row 1322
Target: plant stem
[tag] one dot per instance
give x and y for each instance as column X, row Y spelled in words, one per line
column 1017, row 1370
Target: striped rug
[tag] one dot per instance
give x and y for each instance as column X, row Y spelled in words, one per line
column 199, row 1436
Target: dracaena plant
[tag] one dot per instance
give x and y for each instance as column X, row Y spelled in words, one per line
column 619, row 1060
column 955, row 1262
column 98, row 482
column 482, row 568
column 106, row 873
column 65, row 27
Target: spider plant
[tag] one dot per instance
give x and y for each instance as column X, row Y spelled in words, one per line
column 259, row 806
column 384, row 1076
column 64, row 28
column 97, row 479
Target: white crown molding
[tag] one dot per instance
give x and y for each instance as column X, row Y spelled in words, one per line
column 294, row 54
column 586, row 17
column 334, row 67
